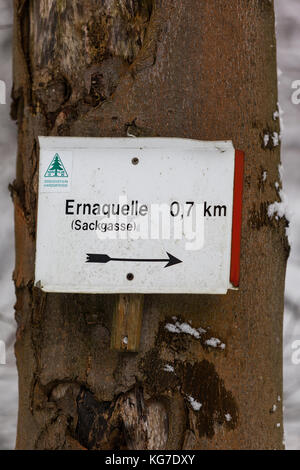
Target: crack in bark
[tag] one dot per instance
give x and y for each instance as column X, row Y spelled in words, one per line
column 131, row 422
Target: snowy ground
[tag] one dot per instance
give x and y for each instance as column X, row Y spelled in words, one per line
column 288, row 28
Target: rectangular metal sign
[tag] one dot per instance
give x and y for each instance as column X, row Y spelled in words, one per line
column 137, row 215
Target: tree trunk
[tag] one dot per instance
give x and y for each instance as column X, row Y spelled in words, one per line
column 195, row 69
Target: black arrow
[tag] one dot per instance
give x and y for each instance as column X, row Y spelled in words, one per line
column 94, row 258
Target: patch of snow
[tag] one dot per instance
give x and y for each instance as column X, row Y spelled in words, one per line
column 215, row 343
column 125, row 340
column 276, row 115
column 274, row 408
column 196, row 405
column 168, row 368
column 228, row 417
column 264, row 176
column 184, row 328
column 266, row 139
column 279, row 209
column 276, row 139
column 278, row 425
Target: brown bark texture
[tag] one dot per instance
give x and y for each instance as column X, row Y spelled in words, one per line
column 197, row 69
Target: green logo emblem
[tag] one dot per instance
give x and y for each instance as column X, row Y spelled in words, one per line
column 56, row 168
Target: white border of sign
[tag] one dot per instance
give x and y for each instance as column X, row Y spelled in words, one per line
column 65, row 147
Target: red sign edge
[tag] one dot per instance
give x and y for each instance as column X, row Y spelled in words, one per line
column 237, row 218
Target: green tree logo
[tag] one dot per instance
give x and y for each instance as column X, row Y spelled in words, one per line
column 56, row 168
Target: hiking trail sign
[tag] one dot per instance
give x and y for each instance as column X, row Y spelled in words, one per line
column 138, row 215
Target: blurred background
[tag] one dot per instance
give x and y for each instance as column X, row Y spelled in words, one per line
column 288, row 46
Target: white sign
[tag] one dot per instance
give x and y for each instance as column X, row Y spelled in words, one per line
column 125, row 215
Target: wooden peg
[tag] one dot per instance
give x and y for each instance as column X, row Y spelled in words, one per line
column 127, row 323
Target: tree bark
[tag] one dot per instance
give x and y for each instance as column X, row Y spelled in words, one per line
column 196, row 69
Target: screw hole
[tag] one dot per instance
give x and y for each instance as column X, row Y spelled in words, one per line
column 130, row 277
column 135, row 161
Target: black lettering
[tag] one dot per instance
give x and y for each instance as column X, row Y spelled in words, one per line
column 96, row 209
column 77, row 225
column 143, row 210
column 86, row 209
column 69, row 206
column 220, row 209
column 115, row 209
column 106, row 209
column 125, row 209
column 207, row 210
